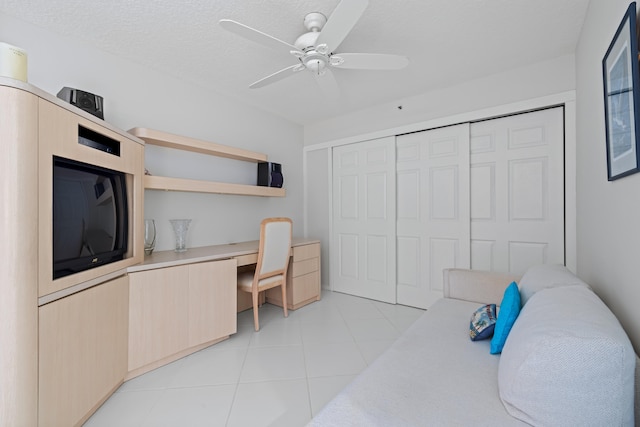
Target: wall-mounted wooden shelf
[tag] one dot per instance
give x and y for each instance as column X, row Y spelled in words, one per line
column 178, row 142
column 169, row 140
column 192, row 185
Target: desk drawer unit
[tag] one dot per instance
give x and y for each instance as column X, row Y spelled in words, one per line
column 303, row 278
column 247, row 259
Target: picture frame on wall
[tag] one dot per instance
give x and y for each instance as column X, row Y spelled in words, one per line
column 622, row 99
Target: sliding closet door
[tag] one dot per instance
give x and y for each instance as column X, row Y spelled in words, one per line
column 433, row 218
column 363, row 229
column 517, row 191
column 487, row 195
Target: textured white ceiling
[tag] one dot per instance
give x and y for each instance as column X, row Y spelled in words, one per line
column 447, row 42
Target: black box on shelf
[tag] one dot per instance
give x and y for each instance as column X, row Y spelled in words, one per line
column 84, row 100
column 270, row 174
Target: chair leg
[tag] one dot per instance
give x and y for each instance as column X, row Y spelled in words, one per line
column 254, row 297
column 284, row 299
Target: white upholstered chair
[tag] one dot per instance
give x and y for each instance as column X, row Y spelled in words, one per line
column 273, row 261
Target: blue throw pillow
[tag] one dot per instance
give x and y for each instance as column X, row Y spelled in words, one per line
column 483, row 321
column 509, row 310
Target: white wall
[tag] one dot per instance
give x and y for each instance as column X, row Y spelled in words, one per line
column 318, row 205
column 138, row 96
column 608, row 212
column 537, row 80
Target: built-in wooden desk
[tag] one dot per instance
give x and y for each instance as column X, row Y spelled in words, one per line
column 182, row 302
column 242, row 251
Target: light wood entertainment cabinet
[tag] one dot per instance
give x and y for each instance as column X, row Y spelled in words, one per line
column 68, row 344
column 18, row 258
column 63, row 341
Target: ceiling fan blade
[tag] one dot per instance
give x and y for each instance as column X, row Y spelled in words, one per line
column 372, row 61
column 277, row 76
column 257, row 36
column 342, row 20
column 328, row 85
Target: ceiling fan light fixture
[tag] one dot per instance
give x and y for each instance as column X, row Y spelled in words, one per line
column 317, row 66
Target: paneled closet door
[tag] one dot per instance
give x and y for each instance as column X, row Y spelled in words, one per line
column 363, row 258
column 433, row 218
column 517, row 191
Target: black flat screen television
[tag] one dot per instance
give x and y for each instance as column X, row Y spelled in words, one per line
column 90, row 216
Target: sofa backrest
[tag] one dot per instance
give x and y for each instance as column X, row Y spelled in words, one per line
column 483, row 287
column 546, row 276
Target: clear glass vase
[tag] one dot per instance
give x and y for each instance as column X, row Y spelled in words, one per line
column 180, row 227
column 149, row 236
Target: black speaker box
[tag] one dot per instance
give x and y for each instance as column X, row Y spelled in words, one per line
column 270, row 174
column 84, row 100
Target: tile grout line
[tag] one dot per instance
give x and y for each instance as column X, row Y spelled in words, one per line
column 306, row 372
column 235, row 391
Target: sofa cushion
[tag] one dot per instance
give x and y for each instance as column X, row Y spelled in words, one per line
column 568, row 362
column 509, row 310
column 483, row 322
column 546, row 276
column 433, row 375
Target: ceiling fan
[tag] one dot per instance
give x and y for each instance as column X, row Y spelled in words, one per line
column 316, row 50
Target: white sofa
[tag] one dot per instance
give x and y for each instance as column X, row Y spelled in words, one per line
column 567, row 361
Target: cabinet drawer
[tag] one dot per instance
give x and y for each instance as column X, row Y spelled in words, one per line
column 305, row 252
column 300, row 268
column 247, row 259
column 305, row 287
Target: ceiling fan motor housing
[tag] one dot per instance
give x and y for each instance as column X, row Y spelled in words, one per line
column 306, row 41
column 314, row 21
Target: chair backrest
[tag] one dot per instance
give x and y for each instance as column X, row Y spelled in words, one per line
column 275, row 246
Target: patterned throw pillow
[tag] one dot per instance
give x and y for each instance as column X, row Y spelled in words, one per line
column 483, row 321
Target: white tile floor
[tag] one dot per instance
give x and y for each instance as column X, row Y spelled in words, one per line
column 280, row 376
